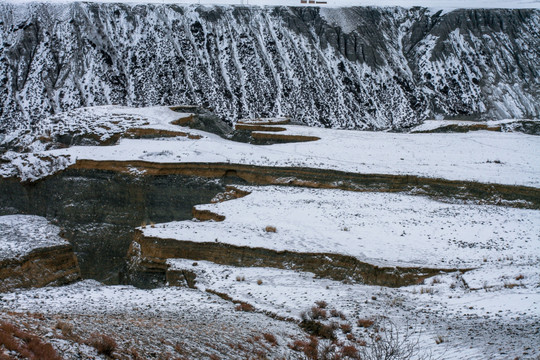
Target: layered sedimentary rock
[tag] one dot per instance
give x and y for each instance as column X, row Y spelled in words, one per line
column 148, row 263
column 32, row 254
column 99, row 209
column 375, row 68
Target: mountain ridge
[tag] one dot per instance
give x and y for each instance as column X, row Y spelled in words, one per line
column 358, row 67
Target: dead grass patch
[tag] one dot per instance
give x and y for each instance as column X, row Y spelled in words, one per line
column 104, row 344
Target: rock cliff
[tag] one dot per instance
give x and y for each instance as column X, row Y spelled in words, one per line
column 364, row 68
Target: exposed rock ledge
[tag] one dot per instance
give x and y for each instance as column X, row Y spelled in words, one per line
column 32, row 254
column 148, row 262
column 496, row 194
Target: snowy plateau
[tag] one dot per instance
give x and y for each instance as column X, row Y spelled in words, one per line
column 269, row 181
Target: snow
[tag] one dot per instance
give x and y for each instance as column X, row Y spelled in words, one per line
column 21, row 234
column 483, row 156
column 490, row 311
column 265, row 121
column 380, row 228
column 498, row 301
column 100, row 122
column 91, row 297
column 445, row 310
column 283, row 292
column 92, row 124
column 430, row 125
column 152, row 321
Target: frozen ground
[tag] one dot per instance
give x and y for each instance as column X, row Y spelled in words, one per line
column 178, row 321
column 490, row 312
column 92, row 125
column 483, row 156
column 21, row 234
column 380, row 228
column 473, row 324
column 444, row 305
column 430, row 125
column 99, row 122
column 503, row 158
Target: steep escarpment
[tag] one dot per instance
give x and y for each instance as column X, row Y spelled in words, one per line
column 98, row 210
column 376, row 68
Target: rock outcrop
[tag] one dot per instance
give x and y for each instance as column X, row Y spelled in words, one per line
column 98, row 210
column 148, row 262
column 32, row 254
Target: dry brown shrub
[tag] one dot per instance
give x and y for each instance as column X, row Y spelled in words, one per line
column 271, row 229
column 337, row 313
column 65, row 328
column 245, row 307
column 346, row 328
column 316, row 328
column 349, row 351
column 310, row 348
column 318, row 313
column 25, row 344
column 270, row 338
column 321, row 303
column 42, row 350
column 365, row 323
column 104, row 344
column 8, row 341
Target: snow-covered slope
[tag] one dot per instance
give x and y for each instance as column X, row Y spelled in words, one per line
column 374, row 67
column 481, row 156
column 381, row 228
column 21, row 234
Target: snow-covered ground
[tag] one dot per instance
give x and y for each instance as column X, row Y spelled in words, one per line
column 483, row 156
column 20, row 234
column 432, row 307
column 380, row 228
column 503, row 158
column 491, row 312
column 473, row 324
column 94, row 125
column 179, row 321
column 430, row 125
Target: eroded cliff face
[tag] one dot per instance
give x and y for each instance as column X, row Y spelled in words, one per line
column 366, row 68
column 98, row 210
